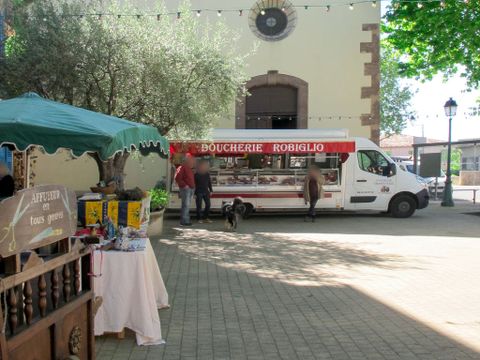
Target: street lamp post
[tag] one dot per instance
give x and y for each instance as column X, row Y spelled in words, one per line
column 450, row 111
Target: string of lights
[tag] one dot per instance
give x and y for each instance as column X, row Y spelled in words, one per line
column 311, row 117
column 240, row 12
column 466, row 115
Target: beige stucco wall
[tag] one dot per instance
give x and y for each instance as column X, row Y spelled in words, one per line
column 324, row 50
column 80, row 174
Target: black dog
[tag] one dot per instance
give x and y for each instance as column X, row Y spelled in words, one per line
column 233, row 211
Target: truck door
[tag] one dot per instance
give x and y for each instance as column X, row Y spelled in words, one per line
column 373, row 182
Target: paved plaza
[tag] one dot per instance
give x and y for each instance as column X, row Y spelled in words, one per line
column 345, row 287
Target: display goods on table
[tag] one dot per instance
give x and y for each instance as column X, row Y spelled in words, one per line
column 123, row 255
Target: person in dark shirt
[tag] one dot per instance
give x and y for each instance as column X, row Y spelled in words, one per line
column 203, row 190
column 7, row 185
column 313, row 190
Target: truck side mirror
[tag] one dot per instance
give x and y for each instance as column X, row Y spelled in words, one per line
column 392, row 169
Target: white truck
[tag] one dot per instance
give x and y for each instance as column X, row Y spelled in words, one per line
column 266, row 168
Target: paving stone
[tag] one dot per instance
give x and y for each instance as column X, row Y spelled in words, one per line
column 367, row 287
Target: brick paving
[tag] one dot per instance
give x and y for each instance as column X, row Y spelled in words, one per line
column 345, row 287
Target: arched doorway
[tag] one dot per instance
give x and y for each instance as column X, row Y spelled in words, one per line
column 276, row 101
column 272, row 107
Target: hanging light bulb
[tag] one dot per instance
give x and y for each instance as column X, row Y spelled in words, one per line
column 374, row 3
column 351, row 6
column 306, row 7
column 139, row 16
column 119, row 16
column 240, row 12
column 420, row 5
column 327, row 8
column 442, row 3
column 219, row 13
column 178, row 15
column 99, row 16
column 199, row 12
column 283, row 8
column 158, row 17
column 262, row 11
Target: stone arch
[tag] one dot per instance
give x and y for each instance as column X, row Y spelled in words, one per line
column 273, row 78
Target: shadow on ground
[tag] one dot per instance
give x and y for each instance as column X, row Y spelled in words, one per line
column 432, row 221
column 300, row 261
column 230, row 312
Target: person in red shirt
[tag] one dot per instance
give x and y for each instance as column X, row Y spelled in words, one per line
column 186, row 183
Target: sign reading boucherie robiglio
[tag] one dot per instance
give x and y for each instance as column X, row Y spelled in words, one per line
column 261, row 147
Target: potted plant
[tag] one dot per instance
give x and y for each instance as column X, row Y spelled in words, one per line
column 158, row 202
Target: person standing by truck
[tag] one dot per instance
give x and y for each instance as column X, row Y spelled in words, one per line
column 203, row 190
column 186, row 183
column 313, row 190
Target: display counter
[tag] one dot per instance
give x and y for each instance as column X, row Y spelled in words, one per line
column 266, row 179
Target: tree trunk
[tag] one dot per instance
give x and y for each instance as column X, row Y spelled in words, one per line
column 112, row 169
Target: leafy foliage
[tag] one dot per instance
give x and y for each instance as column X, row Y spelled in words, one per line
column 159, row 199
column 173, row 74
column 456, row 161
column 395, row 109
column 436, row 37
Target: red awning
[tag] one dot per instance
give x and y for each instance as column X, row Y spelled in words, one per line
column 241, row 148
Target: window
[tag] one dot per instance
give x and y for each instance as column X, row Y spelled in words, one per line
column 272, row 20
column 374, row 162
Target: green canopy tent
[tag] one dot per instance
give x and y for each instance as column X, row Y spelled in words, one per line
column 30, row 120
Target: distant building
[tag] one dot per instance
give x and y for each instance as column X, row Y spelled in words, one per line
column 470, row 155
column 313, row 68
column 401, row 145
column 470, row 170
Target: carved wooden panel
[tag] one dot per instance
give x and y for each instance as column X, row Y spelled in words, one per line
column 40, row 342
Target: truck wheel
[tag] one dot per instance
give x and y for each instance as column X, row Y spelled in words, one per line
column 403, row 206
column 248, row 211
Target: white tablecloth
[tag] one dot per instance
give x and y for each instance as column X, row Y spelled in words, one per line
column 132, row 289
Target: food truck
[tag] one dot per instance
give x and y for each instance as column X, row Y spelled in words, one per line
column 267, row 169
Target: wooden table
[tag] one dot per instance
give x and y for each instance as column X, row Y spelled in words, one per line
column 132, row 289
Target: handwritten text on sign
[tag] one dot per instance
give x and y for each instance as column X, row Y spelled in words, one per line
column 36, row 217
column 263, row 147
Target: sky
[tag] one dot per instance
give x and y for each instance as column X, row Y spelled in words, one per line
column 428, row 105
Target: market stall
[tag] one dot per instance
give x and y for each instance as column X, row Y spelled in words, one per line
column 46, row 293
column 35, row 217
column 267, row 168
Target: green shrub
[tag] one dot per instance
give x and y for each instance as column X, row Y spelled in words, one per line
column 159, row 199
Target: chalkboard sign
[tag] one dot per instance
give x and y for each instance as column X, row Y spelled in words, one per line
column 36, row 217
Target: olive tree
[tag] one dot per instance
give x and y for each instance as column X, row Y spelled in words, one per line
column 177, row 74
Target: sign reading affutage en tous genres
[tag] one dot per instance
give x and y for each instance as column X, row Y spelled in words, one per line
column 36, row 217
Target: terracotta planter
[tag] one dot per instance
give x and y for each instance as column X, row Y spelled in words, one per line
column 155, row 226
